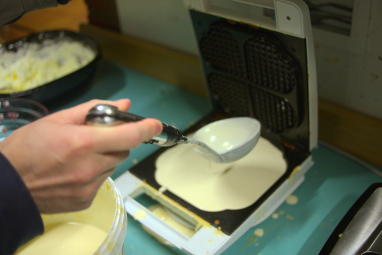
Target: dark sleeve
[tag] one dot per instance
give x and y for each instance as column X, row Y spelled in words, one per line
column 63, row 1
column 12, row 10
column 20, row 219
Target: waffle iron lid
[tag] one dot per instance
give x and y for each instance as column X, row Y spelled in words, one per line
column 252, row 71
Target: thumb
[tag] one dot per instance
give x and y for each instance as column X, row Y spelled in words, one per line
column 125, row 136
column 76, row 115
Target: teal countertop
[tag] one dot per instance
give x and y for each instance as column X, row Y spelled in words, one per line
column 330, row 188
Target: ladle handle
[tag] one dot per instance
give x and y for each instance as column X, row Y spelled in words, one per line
column 108, row 115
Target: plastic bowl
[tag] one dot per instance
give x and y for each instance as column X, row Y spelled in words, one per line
column 17, row 112
column 106, row 213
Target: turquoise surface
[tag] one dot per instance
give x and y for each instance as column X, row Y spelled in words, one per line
column 331, row 186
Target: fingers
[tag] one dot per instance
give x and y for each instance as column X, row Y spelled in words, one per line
column 125, row 136
column 117, row 138
column 76, row 115
column 77, row 194
column 106, row 164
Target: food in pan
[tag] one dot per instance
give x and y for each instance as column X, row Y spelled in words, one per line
column 35, row 64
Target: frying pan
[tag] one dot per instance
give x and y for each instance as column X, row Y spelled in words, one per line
column 75, row 80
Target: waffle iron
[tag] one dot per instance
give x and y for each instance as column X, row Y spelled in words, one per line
column 259, row 66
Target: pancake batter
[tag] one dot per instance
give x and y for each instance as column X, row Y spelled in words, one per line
column 66, row 238
column 215, row 187
column 77, row 233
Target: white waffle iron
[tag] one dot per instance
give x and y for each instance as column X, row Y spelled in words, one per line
column 258, row 60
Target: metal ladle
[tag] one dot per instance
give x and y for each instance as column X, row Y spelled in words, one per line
column 221, row 141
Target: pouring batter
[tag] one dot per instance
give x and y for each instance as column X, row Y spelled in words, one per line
column 216, row 187
column 221, row 141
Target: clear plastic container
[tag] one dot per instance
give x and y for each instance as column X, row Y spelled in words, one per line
column 17, row 112
column 114, row 242
column 106, row 214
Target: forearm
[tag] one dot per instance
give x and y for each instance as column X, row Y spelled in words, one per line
column 12, row 10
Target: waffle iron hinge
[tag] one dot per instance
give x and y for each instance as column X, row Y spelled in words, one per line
column 175, row 207
column 130, row 187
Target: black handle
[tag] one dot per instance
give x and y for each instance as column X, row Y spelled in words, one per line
column 173, row 134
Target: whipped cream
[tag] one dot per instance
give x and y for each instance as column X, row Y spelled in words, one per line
column 35, row 64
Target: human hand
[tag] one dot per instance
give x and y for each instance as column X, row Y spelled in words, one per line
column 63, row 161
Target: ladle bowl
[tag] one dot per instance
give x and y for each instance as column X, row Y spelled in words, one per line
column 231, row 138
